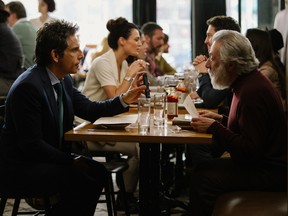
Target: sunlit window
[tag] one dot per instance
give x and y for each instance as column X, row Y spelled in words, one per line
column 173, row 16
column 90, row 15
column 254, row 13
column 175, row 19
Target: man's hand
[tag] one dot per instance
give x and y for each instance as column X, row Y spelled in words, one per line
column 201, row 68
column 199, row 63
column 201, row 124
column 199, row 59
column 138, row 80
column 212, row 115
column 131, row 96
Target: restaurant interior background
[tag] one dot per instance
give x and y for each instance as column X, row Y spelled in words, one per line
column 183, row 20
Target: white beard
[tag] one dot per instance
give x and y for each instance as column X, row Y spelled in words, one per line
column 219, row 78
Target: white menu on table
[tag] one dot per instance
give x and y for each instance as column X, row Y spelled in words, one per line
column 190, row 107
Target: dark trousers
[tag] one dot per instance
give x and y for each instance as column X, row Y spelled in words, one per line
column 78, row 192
column 197, row 153
column 214, row 177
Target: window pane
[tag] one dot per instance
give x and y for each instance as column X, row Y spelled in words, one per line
column 232, row 9
column 90, row 15
column 254, row 13
column 175, row 19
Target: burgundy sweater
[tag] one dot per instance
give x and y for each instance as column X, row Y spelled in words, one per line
column 256, row 131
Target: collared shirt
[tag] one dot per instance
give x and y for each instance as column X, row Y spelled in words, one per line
column 54, row 80
column 122, row 102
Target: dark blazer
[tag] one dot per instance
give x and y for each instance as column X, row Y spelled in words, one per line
column 31, row 129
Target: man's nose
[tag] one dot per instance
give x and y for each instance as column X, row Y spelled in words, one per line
column 81, row 54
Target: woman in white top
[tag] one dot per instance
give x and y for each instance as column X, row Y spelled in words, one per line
column 109, row 76
column 44, row 7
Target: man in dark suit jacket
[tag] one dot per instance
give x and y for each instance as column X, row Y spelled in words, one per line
column 33, row 154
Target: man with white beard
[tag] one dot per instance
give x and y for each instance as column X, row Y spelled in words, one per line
column 212, row 98
column 254, row 133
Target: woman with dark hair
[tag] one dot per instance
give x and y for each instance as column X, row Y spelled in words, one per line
column 260, row 41
column 109, row 76
column 142, row 51
column 44, row 7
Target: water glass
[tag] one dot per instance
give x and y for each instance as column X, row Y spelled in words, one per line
column 144, row 107
column 159, row 109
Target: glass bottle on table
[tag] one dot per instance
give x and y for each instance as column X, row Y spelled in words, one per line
column 172, row 103
column 181, row 85
column 181, row 90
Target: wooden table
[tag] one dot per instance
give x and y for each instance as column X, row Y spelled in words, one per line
column 149, row 177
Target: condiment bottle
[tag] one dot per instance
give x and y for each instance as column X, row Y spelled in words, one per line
column 181, row 85
column 172, row 103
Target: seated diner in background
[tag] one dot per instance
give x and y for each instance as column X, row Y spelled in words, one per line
column 213, row 98
column 11, row 60
column 262, row 46
column 160, row 61
column 154, row 37
column 110, row 76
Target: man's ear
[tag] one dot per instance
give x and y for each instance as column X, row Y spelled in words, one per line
column 14, row 16
column 54, row 55
column 230, row 66
column 147, row 39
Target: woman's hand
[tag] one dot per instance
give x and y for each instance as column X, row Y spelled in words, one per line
column 138, row 80
column 136, row 66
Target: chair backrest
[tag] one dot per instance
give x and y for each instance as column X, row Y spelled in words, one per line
column 2, row 111
column 2, row 115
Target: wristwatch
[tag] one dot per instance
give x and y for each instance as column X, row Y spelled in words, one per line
column 129, row 79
